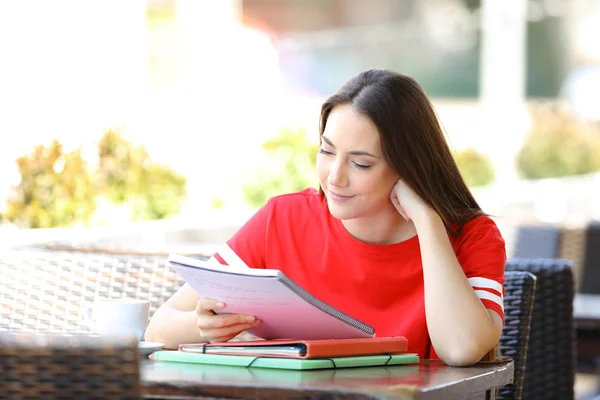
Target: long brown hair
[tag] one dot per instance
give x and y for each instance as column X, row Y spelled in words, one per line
column 412, row 140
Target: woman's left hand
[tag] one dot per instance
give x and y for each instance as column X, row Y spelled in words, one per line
column 408, row 203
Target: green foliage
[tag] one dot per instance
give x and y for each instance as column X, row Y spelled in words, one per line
column 288, row 166
column 56, row 189
column 475, row 168
column 119, row 166
column 559, row 145
column 126, row 174
column 217, row 203
column 160, row 193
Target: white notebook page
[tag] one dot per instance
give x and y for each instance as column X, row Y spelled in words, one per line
column 263, row 293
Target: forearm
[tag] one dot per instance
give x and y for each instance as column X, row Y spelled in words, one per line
column 172, row 327
column 461, row 328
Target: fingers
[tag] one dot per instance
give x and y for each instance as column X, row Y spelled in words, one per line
column 222, row 327
column 206, row 306
column 213, row 321
column 398, row 207
column 402, row 212
column 396, row 201
column 226, row 333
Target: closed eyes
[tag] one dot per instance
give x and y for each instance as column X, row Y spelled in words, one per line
column 361, row 166
column 357, row 165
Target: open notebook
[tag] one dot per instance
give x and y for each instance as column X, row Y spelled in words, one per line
column 285, row 309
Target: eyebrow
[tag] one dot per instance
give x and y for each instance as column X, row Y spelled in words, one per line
column 354, row 152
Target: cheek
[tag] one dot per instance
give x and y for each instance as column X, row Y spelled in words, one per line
column 379, row 186
column 322, row 169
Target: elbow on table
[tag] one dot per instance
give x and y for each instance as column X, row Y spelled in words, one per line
column 463, row 356
column 153, row 336
column 150, row 335
column 460, row 360
column 154, row 333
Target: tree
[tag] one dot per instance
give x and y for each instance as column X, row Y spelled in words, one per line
column 475, row 167
column 56, row 189
column 288, row 166
column 127, row 174
column 559, row 145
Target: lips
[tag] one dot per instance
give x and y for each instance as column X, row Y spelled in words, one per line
column 338, row 198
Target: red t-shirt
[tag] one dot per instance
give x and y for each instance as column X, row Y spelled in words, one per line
column 380, row 285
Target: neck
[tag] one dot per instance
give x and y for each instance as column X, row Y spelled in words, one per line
column 382, row 228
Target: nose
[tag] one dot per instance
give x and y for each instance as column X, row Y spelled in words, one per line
column 338, row 175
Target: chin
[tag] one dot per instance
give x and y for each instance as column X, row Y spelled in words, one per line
column 341, row 212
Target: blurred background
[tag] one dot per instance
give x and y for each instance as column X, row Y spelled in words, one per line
column 154, row 126
column 165, row 122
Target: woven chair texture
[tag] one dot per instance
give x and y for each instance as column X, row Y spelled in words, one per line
column 550, row 360
column 68, row 367
column 590, row 279
column 541, row 241
column 49, row 290
column 572, row 247
column 518, row 308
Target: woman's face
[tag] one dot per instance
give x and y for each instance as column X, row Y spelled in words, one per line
column 352, row 171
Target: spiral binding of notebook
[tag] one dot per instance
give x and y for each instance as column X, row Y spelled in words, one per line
column 325, row 307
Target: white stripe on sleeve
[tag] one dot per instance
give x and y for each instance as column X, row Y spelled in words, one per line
column 484, row 294
column 232, row 259
column 213, row 262
column 486, row 283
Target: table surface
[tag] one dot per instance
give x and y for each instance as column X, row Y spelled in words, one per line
column 586, row 310
column 425, row 380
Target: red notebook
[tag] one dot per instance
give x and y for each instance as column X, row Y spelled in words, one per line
column 284, row 348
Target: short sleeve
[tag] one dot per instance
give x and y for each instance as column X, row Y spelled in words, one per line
column 249, row 242
column 482, row 256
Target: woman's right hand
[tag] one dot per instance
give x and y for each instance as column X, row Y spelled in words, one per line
column 221, row 327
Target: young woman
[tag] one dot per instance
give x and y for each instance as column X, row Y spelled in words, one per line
column 393, row 237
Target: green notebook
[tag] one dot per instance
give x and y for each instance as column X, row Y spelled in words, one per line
column 243, row 375
column 286, row 363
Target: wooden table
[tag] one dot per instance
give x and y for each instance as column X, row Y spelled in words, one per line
column 586, row 314
column 426, row 380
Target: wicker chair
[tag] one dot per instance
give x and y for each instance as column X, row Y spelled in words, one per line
column 67, row 367
column 550, row 362
column 46, row 291
column 590, row 279
column 537, row 241
column 572, row 247
column 518, row 307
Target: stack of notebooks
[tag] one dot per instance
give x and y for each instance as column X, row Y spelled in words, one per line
column 321, row 336
column 296, row 354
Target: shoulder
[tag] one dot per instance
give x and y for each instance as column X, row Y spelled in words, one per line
column 481, row 254
column 307, row 199
column 480, row 243
column 479, row 230
column 480, row 248
column 298, row 212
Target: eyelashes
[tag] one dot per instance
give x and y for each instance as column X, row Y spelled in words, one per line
column 359, row 166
